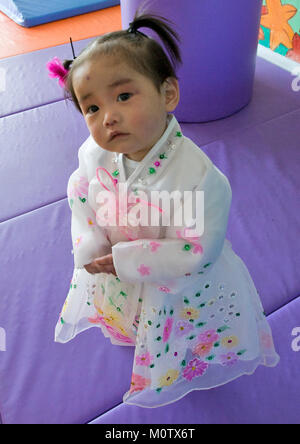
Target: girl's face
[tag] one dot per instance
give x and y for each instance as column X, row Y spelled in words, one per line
column 114, row 97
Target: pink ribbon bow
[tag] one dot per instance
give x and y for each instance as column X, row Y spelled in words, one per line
column 120, row 208
column 57, row 69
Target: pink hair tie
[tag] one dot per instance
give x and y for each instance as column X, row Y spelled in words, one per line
column 57, row 69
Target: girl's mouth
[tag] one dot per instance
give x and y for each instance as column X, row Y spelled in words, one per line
column 118, row 135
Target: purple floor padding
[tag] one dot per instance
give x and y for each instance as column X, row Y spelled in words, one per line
column 38, row 156
column 43, row 381
column 46, row 382
column 27, row 81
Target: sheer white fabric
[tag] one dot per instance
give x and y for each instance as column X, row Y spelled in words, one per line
column 189, row 306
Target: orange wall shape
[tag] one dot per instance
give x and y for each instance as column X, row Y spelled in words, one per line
column 15, row 39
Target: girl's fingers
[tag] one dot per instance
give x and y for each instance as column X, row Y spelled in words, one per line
column 104, row 260
column 105, row 268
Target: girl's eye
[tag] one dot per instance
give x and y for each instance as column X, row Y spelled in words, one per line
column 125, row 95
column 92, row 109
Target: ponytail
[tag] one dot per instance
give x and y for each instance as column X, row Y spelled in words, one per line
column 163, row 30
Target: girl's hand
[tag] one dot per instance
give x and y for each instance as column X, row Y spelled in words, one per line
column 103, row 264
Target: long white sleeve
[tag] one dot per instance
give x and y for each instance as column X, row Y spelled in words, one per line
column 88, row 238
column 173, row 262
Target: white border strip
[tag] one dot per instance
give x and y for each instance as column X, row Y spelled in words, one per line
column 277, row 59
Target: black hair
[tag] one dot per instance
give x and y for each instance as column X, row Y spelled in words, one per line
column 139, row 51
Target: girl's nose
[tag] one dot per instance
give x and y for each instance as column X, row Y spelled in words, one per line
column 110, row 118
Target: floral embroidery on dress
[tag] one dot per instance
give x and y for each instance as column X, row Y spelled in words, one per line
column 167, row 329
column 208, row 336
column 194, row 369
column 78, row 240
column 138, row 383
column 168, row 378
column 266, row 340
column 144, row 359
column 203, row 349
column 90, row 221
column 182, row 328
column 189, row 313
column 229, row 359
column 97, row 319
column 143, row 270
column 78, row 188
column 230, row 341
column 164, row 289
column 154, row 246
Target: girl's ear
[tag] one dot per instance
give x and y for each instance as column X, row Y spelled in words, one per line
column 172, row 93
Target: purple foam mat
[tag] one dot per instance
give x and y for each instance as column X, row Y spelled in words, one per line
column 269, row 396
column 38, row 154
column 44, row 382
column 27, row 83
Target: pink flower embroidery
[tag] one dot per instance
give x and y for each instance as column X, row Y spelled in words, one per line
column 202, row 349
column 266, row 340
column 197, row 248
column 78, row 240
column 95, row 319
column 208, row 336
column 144, row 359
column 183, row 328
column 194, row 369
column 114, row 333
column 90, row 221
column 143, row 270
column 228, row 359
column 164, row 289
column 167, row 329
column 154, row 246
column 138, row 383
column 178, row 233
column 79, row 188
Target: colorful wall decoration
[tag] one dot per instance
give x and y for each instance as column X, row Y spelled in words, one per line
column 280, row 27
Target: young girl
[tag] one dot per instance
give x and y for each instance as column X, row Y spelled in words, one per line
column 186, row 302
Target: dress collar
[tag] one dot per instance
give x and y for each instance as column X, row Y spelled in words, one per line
column 151, row 165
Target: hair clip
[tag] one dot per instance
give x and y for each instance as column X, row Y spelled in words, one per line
column 73, row 52
column 57, row 69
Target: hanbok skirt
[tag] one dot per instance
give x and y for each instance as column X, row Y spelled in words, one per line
column 210, row 333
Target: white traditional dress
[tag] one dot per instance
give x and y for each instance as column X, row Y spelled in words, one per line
column 187, row 304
